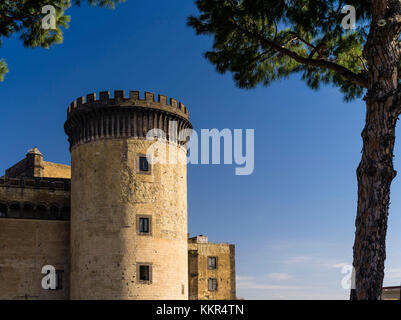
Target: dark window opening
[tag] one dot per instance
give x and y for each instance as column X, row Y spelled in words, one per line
column 212, row 284
column 145, row 273
column 59, row 279
column 212, row 263
column 15, row 211
column 3, row 210
column 41, row 212
column 54, row 213
column 144, row 225
column 143, row 164
column 28, row 211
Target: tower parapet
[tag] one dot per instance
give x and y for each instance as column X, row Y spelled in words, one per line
column 90, row 119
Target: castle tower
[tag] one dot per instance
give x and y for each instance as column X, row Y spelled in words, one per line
column 128, row 216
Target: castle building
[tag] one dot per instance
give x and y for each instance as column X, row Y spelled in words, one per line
column 114, row 225
column 211, row 269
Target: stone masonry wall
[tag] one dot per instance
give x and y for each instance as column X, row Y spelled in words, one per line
column 198, row 254
column 107, row 194
column 56, row 170
column 36, row 196
column 25, row 247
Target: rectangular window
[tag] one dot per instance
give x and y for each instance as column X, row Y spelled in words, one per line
column 144, row 225
column 212, row 284
column 143, row 164
column 144, row 273
column 212, row 263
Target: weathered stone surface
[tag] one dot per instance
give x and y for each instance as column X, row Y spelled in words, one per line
column 107, row 193
column 56, row 170
column 199, row 272
column 25, row 247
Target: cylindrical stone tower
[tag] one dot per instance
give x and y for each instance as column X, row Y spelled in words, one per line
column 128, row 216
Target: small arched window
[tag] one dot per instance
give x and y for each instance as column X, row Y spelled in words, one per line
column 14, row 211
column 54, row 213
column 3, row 210
column 28, row 211
column 41, row 212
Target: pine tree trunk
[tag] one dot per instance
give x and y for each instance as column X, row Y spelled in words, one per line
column 375, row 172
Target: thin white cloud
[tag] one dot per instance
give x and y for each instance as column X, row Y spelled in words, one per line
column 246, row 282
column 298, row 271
column 298, row 259
column 392, row 273
column 279, row 276
column 339, row 265
column 335, row 265
column 260, row 288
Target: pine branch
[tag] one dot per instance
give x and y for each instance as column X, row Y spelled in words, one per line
column 347, row 74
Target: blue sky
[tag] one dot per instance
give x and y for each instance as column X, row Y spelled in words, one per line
column 292, row 220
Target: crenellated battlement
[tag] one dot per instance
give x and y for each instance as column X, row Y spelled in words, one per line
column 133, row 99
column 92, row 118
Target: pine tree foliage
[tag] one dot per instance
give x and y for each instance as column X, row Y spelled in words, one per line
column 260, row 41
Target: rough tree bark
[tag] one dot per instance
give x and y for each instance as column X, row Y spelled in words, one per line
column 375, row 172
